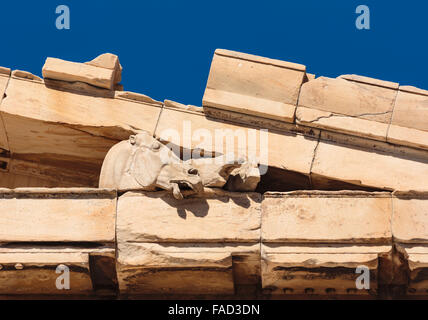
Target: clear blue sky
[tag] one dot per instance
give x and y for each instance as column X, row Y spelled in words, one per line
column 166, row 46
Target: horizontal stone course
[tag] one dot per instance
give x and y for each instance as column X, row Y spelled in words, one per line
column 288, row 241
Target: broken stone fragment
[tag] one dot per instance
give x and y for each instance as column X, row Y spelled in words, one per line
column 108, row 61
column 104, row 71
column 25, row 75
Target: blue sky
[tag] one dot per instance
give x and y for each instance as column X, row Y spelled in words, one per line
column 166, row 46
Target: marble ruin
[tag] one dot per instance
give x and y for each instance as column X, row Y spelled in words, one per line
column 282, row 185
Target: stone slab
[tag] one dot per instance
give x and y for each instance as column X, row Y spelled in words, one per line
column 57, row 215
column 327, row 217
column 58, row 69
column 3, row 137
column 409, row 125
column 349, row 104
column 254, row 85
column 158, row 217
column 369, row 167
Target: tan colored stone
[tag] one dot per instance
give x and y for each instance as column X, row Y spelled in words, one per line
column 34, row 171
column 322, row 268
column 5, row 71
column 337, row 103
column 409, row 124
column 108, row 61
column 25, row 75
column 58, row 69
column 44, row 120
column 326, row 217
column 143, row 163
column 180, row 106
column 408, row 137
column 311, row 76
column 173, row 271
column 416, row 258
column 3, row 137
column 52, row 215
column 363, row 167
column 341, row 123
column 31, row 270
column 288, row 151
column 254, row 85
column 34, row 273
column 410, row 218
column 137, row 97
column 13, row 180
column 190, row 246
column 316, row 274
column 158, row 217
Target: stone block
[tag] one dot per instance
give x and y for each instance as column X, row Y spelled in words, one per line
column 319, row 270
column 416, row 257
column 253, row 85
column 57, row 215
column 68, row 127
column 410, row 217
column 58, row 69
column 369, row 167
column 409, row 124
column 285, row 151
column 326, row 217
column 4, row 80
column 32, row 271
column 188, row 247
column 349, row 104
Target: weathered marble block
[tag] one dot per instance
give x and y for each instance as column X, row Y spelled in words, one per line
column 66, row 128
column 349, row 104
column 410, row 231
column 409, row 124
column 4, row 80
column 253, row 85
column 42, row 229
column 313, row 241
column 203, row 244
column 285, row 151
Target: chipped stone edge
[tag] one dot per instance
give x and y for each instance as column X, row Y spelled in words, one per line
column 259, row 59
column 5, row 71
column 58, row 191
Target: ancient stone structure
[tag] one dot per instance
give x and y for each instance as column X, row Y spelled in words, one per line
column 284, row 185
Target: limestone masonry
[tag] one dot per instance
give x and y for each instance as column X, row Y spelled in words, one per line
column 280, row 187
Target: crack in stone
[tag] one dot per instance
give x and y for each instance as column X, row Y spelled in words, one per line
column 343, row 115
